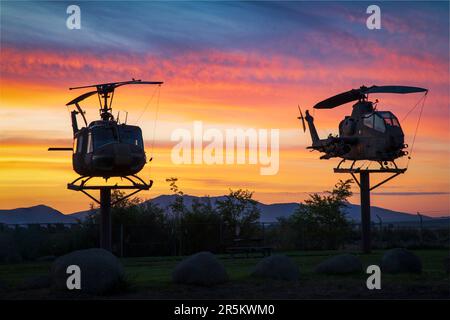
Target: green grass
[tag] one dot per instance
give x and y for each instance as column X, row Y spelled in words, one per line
column 153, row 274
column 152, row 271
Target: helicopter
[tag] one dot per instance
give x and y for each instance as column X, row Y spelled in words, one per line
column 367, row 134
column 105, row 147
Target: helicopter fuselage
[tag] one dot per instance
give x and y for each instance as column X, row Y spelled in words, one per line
column 108, row 149
column 367, row 134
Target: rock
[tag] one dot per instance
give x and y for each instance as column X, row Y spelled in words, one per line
column 101, row 271
column 46, row 258
column 340, row 264
column 277, row 267
column 202, row 269
column 35, row 282
column 400, row 260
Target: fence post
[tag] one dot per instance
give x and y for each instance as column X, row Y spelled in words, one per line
column 220, row 234
column 263, row 234
column 121, row 240
column 381, row 229
column 420, row 228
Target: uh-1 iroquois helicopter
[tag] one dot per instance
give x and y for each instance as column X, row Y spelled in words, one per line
column 105, row 148
column 367, row 134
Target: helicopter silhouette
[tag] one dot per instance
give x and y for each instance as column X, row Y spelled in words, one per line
column 367, row 134
column 105, row 148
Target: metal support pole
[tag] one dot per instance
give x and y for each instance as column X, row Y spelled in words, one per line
column 105, row 217
column 365, row 210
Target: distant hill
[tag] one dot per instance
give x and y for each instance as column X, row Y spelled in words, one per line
column 269, row 212
column 38, row 214
column 353, row 212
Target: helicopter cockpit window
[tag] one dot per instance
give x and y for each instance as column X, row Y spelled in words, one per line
column 379, row 124
column 103, row 136
column 131, row 136
column 389, row 119
column 89, row 143
column 374, row 121
column 75, row 144
column 78, row 144
column 368, row 121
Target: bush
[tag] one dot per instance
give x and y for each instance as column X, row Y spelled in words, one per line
column 320, row 223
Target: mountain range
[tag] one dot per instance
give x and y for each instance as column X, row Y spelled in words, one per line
column 42, row 214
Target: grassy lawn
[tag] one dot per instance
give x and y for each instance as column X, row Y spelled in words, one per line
column 150, row 277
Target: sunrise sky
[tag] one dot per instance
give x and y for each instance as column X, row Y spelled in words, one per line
column 230, row 65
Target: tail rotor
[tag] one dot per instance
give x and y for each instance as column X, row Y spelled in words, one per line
column 301, row 118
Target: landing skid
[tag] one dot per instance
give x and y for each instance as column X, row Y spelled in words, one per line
column 385, row 166
column 137, row 184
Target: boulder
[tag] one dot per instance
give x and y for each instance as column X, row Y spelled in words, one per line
column 340, row 264
column 202, row 269
column 35, row 282
column 400, row 260
column 277, row 267
column 101, row 271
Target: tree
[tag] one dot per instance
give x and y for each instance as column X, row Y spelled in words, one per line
column 201, row 227
column 321, row 221
column 239, row 212
column 133, row 221
column 125, row 211
column 178, row 208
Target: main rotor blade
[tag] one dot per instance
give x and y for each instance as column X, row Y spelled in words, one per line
column 116, row 84
column 356, row 94
column 393, row 89
column 82, row 113
column 302, row 118
column 81, row 98
column 136, row 82
column 339, row 99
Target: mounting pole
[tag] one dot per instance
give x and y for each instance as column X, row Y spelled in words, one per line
column 364, row 187
column 364, row 182
column 80, row 184
column 105, row 218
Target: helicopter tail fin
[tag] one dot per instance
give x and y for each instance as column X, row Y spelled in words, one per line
column 312, row 129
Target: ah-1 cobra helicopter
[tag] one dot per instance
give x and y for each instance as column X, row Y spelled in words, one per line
column 105, row 148
column 368, row 134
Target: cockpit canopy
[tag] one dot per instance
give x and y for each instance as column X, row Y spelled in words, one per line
column 100, row 136
column 380, row 119
column 389, row 118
